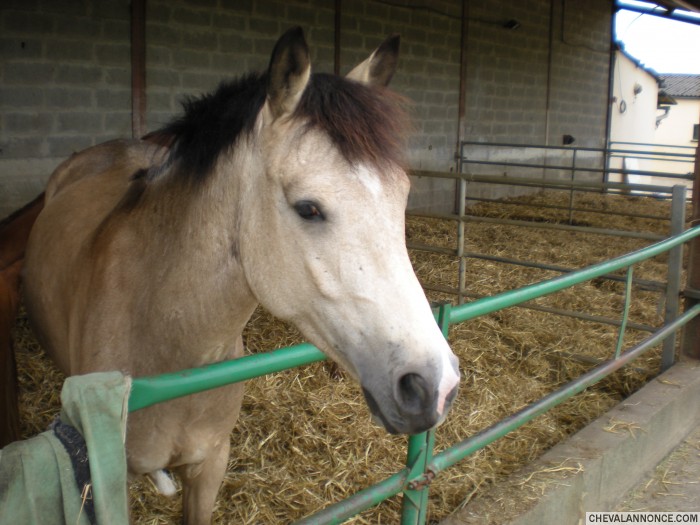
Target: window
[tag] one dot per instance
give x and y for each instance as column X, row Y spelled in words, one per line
column 695, row 132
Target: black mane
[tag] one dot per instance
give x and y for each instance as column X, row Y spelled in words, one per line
column 366, row 124
column 212, row 123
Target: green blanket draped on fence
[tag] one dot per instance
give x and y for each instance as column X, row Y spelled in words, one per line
column 74, row 473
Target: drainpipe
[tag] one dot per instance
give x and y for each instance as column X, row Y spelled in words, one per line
column 336, row 36
column 659, row 118
column 548, row 90
column 462, row 105
column 138, row 68
column 608, row 105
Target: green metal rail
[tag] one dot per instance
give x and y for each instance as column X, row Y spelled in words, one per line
column 422, row 466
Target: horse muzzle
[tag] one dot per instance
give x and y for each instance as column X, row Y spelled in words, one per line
column 416, row 402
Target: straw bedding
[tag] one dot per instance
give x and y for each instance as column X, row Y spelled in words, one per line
column 304, row 438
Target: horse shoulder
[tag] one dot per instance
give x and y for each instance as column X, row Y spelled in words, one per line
column 81, row 196
column 119, row 159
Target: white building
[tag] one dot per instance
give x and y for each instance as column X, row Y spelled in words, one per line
column 654, row 114
column 679, row 127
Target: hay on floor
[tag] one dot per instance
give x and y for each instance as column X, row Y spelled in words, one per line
column 305, row 439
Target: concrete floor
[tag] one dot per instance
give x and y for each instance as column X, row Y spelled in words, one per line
column 674, row 485
column 643, row 455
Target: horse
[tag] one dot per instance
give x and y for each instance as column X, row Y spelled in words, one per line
column 282, row 188
column 14, row 231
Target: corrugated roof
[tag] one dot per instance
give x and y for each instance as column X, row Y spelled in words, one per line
column 677, row 85
column 691, row 5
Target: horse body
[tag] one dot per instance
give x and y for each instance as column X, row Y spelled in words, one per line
column 107, row 293
column 14, row 231
column 160, row 250
column 9, row 409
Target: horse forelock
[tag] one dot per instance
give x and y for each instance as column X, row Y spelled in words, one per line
column 366, row 124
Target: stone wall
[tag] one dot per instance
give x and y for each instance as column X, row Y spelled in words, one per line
column 65, row 71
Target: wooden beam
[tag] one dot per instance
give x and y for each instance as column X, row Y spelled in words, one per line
column 691, row 331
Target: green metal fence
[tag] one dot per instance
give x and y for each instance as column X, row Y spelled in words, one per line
column 421, row 464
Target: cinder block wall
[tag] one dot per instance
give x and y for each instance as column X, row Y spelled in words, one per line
column 65, row 71
column 64, row 85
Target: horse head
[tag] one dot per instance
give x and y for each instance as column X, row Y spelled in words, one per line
column 321, row 226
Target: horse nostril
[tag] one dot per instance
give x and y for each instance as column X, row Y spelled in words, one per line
column 413, row 394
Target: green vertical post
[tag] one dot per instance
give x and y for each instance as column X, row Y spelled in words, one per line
column 420, row 452
column 625, row 312
column 443, row 318
column 415, row 495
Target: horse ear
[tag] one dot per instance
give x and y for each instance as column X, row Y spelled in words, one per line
column 378, row 69
column 288, row 72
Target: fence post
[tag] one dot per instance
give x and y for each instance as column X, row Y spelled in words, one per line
column 420, row 452
column 415, row 496
column 571, row 192
column 460, row 241
column 673, row 282
column 691, row 331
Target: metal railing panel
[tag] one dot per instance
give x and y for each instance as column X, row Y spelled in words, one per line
column 422, row 466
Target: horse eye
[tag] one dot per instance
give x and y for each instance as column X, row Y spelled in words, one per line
column 308, row 211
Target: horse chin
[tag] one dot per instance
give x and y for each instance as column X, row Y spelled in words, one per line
column 377, row 415
column 400, row 425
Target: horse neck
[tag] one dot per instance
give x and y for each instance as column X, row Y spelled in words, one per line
column 201, row 219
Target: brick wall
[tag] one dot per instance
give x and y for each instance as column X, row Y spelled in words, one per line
column 65, row 71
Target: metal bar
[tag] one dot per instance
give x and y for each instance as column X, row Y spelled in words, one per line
column 558, row 207
column 443, row 319
column 532, row 146
column 642, row 283
column 415, row 495
column 554, row 184
column 652, row 144
column 625, row 312
column 525, row 165
column 147, row 391
column 588, row 360
column 547, row 309
column 586, row 317
column 555, row 226
column 365, row 499
column 651, row 156
column 579, row 148
column 571, row 191
column 460, row 240
column 533, row 291
column 546, row 225
column 655, row 154
column 420, row 452
column 575, row 315
column 461, row 450
column 675, row 270
column 647, row 173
